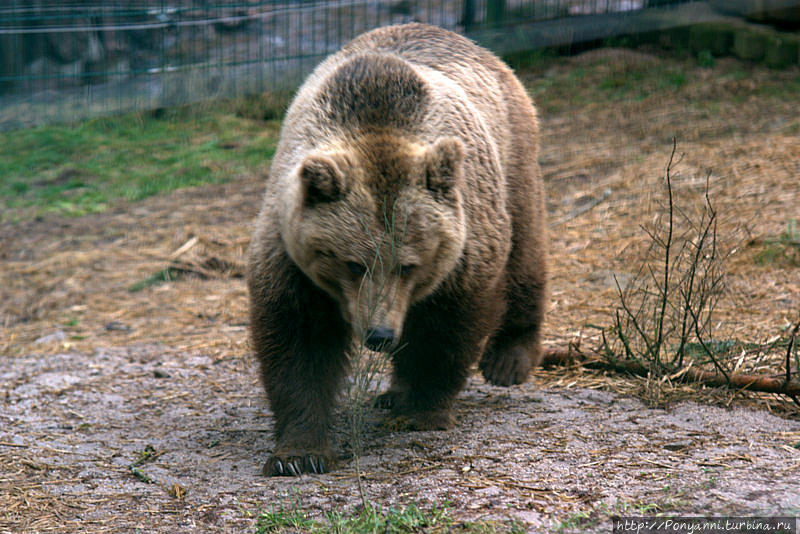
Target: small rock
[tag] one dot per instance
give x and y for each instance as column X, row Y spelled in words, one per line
column 116, row 325
column 677, row 446
column 489, row 491
column 58, row 335
column 528, row 516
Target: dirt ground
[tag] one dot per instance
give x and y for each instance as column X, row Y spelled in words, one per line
column 92, row 374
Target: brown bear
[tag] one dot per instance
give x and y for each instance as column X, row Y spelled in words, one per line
column 404, row 208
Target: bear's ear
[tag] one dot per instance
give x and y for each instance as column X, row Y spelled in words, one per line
column 443, row 163
column 322, row 180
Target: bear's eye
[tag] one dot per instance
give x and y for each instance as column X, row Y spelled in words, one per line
column 356, row 268
column 405, row 270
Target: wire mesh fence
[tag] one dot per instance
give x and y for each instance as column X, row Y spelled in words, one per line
column 61, row 61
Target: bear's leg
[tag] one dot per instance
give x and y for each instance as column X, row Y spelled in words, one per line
column 516, row 346
column 301, row 342
column 441, row 339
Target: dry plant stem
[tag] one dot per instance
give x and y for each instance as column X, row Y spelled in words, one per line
column 595, row 360
column 688, row 292
column 366, row 369
column 634, row 321
column 667, row 246
column 367, row 365
column 361, row 491
column 789, row 351
column 707, row 350
column 715, row 279
column 789, row 359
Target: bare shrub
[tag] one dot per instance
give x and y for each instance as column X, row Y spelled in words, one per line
column 665, row 311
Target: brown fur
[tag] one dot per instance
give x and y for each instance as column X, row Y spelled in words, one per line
column 412, row 155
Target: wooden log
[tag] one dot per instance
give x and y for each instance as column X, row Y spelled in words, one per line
column 594, row 360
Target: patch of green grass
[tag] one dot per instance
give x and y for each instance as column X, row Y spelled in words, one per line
column 640, row 508
column 409, row 519
column 562, row 84
column 605, row 80
column 640, row 83
column 720, row 348
column 706, row 59
column 589, row 520
column 530, row 59
column 285, row 519
column 784, row 250
column 576, row 521
column 164, row 275
column 779, row 254
column 743, row 82
column 85, row 167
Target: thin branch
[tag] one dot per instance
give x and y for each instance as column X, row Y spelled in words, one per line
column 789, row 353
column 667, row 245
column 632, row 317
column 689, row 284
column 623, row 338
column 708, row 351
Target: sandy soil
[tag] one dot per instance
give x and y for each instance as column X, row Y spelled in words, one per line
column 75, row 423
column 93, row 375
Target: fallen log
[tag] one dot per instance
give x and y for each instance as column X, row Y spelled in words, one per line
column 595, row 360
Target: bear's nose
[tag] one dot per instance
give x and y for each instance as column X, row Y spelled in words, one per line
column 379, row 338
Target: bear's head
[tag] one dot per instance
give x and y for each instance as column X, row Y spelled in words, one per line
column 378, row 224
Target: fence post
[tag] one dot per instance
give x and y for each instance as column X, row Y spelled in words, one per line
column 495, row 12
column 468, row 15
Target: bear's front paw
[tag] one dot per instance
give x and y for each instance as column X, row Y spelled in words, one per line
column 432, row 420
column 297, row 464
column 506, row 367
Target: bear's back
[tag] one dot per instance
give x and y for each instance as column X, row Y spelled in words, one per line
column 447, row 63
column 431, row 46
column 409, row 78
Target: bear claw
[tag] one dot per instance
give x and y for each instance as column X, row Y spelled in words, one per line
column 390, row 400
column 296, row 465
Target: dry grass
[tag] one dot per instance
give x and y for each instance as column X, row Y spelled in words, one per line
column 76, row 275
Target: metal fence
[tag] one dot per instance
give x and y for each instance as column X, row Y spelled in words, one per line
column 65, row 60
